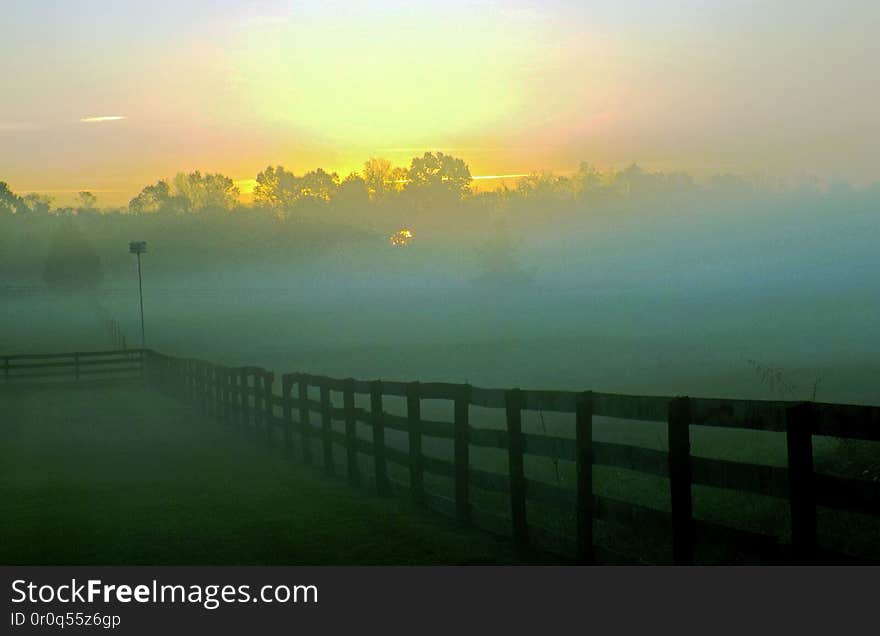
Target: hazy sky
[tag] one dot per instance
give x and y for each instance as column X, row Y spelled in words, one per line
column 780, row 87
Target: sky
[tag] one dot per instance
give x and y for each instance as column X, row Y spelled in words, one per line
column 111, row 96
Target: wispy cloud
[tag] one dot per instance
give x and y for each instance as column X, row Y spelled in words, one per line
column 102, row 118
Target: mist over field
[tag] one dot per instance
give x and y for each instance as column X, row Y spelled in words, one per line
column 715, row 263
column 630, row 281
column 658, row 219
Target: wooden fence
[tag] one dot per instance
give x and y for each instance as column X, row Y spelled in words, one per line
column 246, row 397
column 77, row 366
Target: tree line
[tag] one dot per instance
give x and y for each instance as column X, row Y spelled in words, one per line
column 432, row 179
column 196, row 221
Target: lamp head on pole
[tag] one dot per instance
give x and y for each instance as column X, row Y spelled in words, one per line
column 137, row 247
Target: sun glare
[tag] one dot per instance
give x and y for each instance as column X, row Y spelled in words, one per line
column 401, row 238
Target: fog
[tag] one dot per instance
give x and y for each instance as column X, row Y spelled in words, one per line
column 633, row 282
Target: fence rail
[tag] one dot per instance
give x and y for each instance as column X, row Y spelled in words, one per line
column 77, row 366
column 315, row 417
column 304, row 413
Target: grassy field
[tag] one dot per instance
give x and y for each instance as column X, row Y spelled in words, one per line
column 122, row 475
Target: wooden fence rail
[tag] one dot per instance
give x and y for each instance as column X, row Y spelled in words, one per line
column 308, row 407
column 251, row 400
column 76, row 366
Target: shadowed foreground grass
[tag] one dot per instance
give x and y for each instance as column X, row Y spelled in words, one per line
column 123, row 475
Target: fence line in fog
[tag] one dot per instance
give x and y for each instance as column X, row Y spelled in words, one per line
column 80, row 365
column 245, row 397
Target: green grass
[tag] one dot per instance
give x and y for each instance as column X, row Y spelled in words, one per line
column 124, row 475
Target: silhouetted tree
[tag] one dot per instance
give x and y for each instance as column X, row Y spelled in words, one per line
column 276, row 188
column 545, row 185
column 382, row 179
column 153, row 198
column 11, row 203
column 205, row 192
column 71, row 262
column 498, row 260
column 437, row 175
column 318, row 185
column 193, row 192
column 588, row 180
column 352, row 193
column 38, row 203
column 86, row 201
column 635, row 182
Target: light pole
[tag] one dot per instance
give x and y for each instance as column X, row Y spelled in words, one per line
column 138, row 248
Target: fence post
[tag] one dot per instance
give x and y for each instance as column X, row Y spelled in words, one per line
column 205, row 391
column 197, row 384
column 269, row 406
column 286, row 386
column 76, row 366
column 351, row 450
column 210, row 384
column 584, row 466
column 462, row 454
column 180, row 385
column 680, row 478
column 186, row 366
column 207, row 379
column 6, row 369
column 327, row 427
column 227, row 390
column 243, row 400
column 200, row 385
column 218, row 392
column 800, row 424
column 515, row 450
column 210, row 388
column 414, row 424
column 305, row 417
column 234, row 413
column 193, row 379
column 377, row 419
column 259, row 393
column 204, row 376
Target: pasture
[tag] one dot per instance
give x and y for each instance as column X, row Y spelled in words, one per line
column 492, row 343
column 120, row 474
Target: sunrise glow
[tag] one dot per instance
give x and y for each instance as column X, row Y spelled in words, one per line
column 511, row 88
